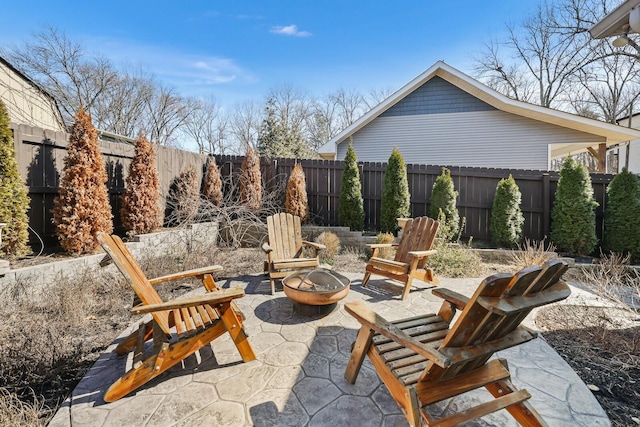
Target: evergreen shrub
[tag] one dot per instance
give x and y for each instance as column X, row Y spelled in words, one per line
column 443, row 206
column 622, row 215
column 395, row 193
column 573, row 217
column 351, row 204
column 507, row 220
column 14, row 201
column 212, row 185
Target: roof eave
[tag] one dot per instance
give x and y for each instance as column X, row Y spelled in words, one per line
column 615, row 23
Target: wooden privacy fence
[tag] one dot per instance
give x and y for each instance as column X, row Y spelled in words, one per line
column 476, row 187
column 40, row 155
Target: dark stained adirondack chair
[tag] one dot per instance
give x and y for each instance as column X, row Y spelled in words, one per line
column 411, row 256
column 423, row 360
column 285, row 248
column 179, row 327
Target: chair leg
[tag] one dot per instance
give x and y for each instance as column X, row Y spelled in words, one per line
column 156, row 364
column 359, row 350
column 407, row 288
column 273, row 285
column 233, row 324
column 367, row 275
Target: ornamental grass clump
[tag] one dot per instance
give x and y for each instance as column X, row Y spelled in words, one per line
column 573, row 217
column 395, row 193
column 351, row 204
column 296, row 202
column 387, row 253
column 140, row 210
column 82, row 208
column 507, row 220
column 14, row 202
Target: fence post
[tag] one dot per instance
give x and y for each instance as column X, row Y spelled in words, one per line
column 546, row 206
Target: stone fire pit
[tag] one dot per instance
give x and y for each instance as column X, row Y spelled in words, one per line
column 316, row 292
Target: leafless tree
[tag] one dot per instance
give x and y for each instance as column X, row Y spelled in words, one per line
column 244, row 125
column 166, row 112
column 62, row 68
column 207, row 126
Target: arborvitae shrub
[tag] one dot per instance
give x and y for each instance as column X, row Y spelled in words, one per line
column 395, row 193
column 443, row 206
column 140, row 210
column 507, row 220
column 332, row 243
column 296, row 202
column 351, row 204
column 251, row 181
column 622, row 215
column 212, row 187
column 82, row 208
column 183, row 199
column 573, row 217
column 14, row 202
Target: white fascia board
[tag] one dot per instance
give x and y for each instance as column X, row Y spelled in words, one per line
column 614, row 23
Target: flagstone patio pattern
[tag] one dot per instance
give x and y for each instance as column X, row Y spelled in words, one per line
column 298, row 379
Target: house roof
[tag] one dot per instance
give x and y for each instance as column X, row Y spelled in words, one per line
column 612, row 134
column 37, row 87
column 615, row 23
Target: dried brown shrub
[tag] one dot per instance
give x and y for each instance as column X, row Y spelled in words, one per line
column 296, row 202
column 212, row 188
column 140, row 203
column 82, row 208
column 251, row 181
column 387, row 253
column 332, row 243
column 183, row 199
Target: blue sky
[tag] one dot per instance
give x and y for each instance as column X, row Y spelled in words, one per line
column 238, row 50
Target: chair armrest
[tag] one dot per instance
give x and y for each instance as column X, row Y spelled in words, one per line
column 459, row 300
column 377, row 323
column 317, row 246
column 185, row 274
column 421, row 254
column 214, row 297
column 266, row 247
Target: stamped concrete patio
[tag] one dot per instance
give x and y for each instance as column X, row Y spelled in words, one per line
column 298, row 380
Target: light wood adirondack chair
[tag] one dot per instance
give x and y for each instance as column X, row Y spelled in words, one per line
column 412, row 252
column 284, row 249
column 422, row 360
column 179, row 327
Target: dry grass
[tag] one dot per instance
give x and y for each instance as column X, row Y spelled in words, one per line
column 532, row 252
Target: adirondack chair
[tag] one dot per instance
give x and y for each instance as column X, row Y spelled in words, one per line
column 284, row 249
column 411, row 256
column 178, row 327
column 423, row 360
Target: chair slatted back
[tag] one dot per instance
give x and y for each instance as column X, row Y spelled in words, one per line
column 285, row 235
column 124, row 261
column 418, row 234
column 478, row 325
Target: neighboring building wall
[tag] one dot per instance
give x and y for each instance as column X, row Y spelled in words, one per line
column 633, row 147
column 26, row 103
column 477, row 139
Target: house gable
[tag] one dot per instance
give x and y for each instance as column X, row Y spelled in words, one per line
column 437, row 96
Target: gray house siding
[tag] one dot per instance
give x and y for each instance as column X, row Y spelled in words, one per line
column 481, row 139
column 437, row 96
